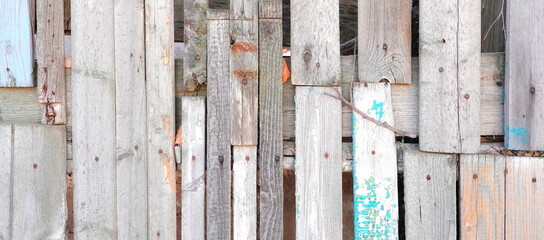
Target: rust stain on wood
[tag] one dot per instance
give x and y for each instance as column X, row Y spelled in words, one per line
column 169, row 173
column 245, row 75
column 243, row 47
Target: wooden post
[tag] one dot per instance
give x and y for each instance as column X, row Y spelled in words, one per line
column 195, row 31
column 449, row 117
column 244, row 187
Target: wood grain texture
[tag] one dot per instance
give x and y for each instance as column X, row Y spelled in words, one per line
column 270, row 9
column 195, row 30
column 375, row 205
column 218, row 150
column 244, row 9
column 6, row 187
column 16, row 39
column 270, row 130
column 384, row 41
column 319, row 165
column 193, row 162
column 430, row 196
column 315, row 42
column 244, row 189
column 131, row 124
column 244, row 81
column 449, row 50
column 493, row 36
column 50, row 56
column 93, row 116
column 524, row 103
column 482, row 196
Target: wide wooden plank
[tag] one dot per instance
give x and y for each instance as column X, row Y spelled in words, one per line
column 50, row 56
column 384, row 41
column 16, row 38
column 524, row 198
column 270, row 130
column 318, row 166
column 130, row 105
column 375, row 204
column 430, row 196
column 6, row 188
column 218, row 148
column 315, row 42
column 195, row 30
column 193, row 168
column 482, row 179
column 244, row 189
column 449, row 116
column 524, row 103
column 93, row 116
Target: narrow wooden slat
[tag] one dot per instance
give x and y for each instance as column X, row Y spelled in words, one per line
column 131, row 131
column 318, row 166
column 524, row 103
column 270, row 9
column 50, row 55
column 16, row 39
column 375, row 205
column 493, row 38
column 93, row 116
column 429, row 195
column 193, row 160
column 384, row 41
column 244, row 9
column 6, row 170
column 244, row 187
column 195, row 30
column 218, row 150
column 524, row 197
column 270, row 130
column 482, row 180
column 449, row 116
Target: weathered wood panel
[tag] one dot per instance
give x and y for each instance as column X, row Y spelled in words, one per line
column 6, row 188
column 270, row 9
column 493, row 37
column 218, row 151
column 430, row 195
column 319, row 165
column 93, row 116
column 16, row 39
column 524, row 103
column 270, row 130
column 195, row 30
column 244, row 9
column 482, row 179
column 384, row 41
column 193, row 162
column 375, row 204
column 50, row 56
column 244, row 188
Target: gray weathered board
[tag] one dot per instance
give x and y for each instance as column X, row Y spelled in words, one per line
column 244, row 192
column 384, row 41
column 449, row 84
column 32, row 181
column 524, row 103
column 493, row 20
column 430, row 195
column 195, row 30
column 271, row 9
column 319, row 164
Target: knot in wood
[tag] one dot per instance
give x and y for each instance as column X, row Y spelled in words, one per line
column 277, row 158
column 307, row 56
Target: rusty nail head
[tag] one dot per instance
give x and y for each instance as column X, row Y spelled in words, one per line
column 197, row 57
column 160, row 151
column 366, row 85
column 428, row 177
column 475, row 176
column 35, row 166
column 532, row 90
column 441, row 69
column 467, row 96
column 96, row 159
column 443, row 41
column 534, row 180
column 317, row 64
column 158, row 234
column 499, row 83
column 326, row 155
column 247, row 158
column 220, row 158
column 384, row 46
column 136, row 147
column 193, row 158
column 506, row 171
column 244, row 81
column 373, row 152
column 277, row 158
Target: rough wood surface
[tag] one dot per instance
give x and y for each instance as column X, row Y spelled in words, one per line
column 50, row 56
column 244, row 9
column 384, row 41
column 244, row 189
column 6, row 188
column 270, row 9
column 482, row 206
column 195, row 30
column 524, row 103
column 193, row 164
column 430, row 196
column 16, row 40
column 449, row 50
column 493, row 21
column 375, row 204
column 319, row 165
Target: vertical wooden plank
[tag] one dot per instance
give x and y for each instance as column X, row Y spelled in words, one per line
column 524, row 198
column 6, row 188
column 130, row 89
column 315, row 42
column 193, row 161
column 270, row 9
column 39, row 182
column 270, row 130
column 430, row 195
column 244, row 9
column 16, row 39
column 50, row 55
column 195, row 30
column 449, row 118
column 384, row 39
column 319, row 164
column 93, row 117
column 218, row 155
column 375, row 205
column 482, row 180
column 244, row 188
column 159, row 56
column 524, row 103
column 493, row 37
